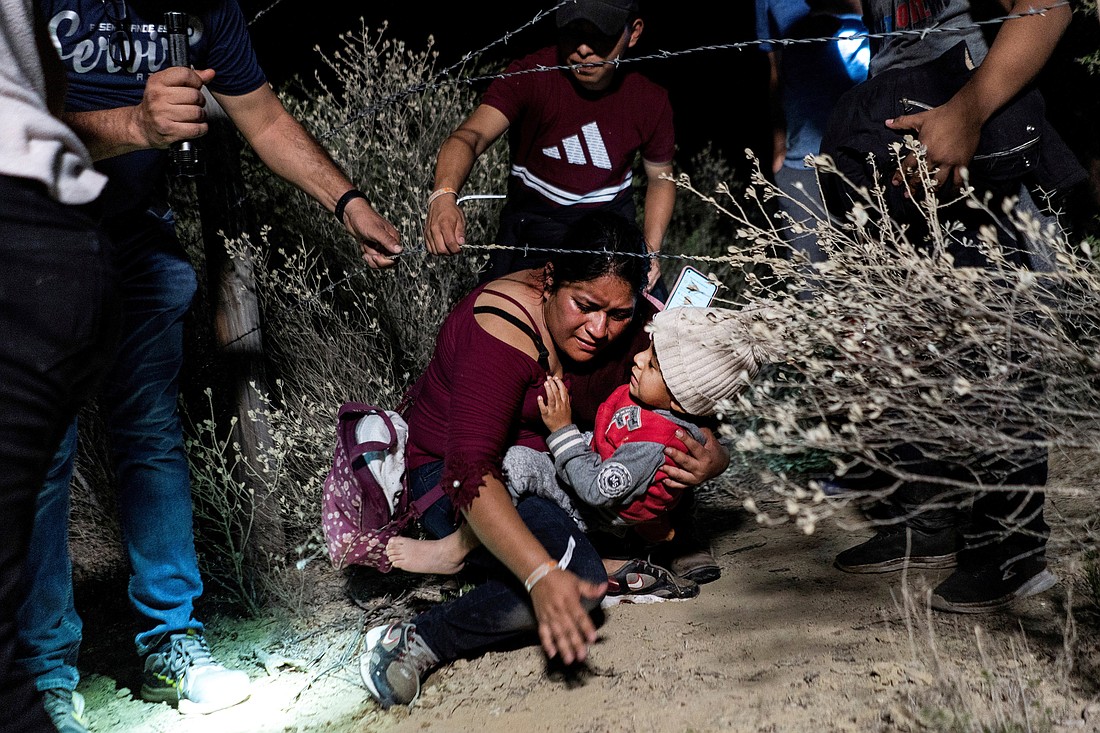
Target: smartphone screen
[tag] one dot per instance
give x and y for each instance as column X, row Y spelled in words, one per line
column 692, row 288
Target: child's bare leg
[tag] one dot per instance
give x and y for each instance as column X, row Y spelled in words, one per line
column 444, row 556
column 611, row 565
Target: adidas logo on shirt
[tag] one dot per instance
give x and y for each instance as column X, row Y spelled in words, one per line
column 574, row 149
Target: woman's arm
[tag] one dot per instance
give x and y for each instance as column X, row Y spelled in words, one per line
column 565, row 627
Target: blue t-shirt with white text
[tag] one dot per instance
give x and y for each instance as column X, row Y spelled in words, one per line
column 82, row 31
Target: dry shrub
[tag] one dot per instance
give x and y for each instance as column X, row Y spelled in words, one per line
column 334, row 330
column 900, row 346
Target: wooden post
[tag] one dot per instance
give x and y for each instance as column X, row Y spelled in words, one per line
column 225, row 212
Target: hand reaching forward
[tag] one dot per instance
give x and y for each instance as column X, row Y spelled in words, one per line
column 556, row 408
column 565, row 626
column 377, row 237
column 445, row 226
column 654, row 274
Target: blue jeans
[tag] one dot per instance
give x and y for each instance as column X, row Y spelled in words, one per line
column 139, row 401
column 498, row 611
column 57, row 315
column 810, row 197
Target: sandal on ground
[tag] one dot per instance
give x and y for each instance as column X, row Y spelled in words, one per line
column 640, row 581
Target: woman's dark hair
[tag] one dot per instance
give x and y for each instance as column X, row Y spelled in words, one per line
column 615, row 245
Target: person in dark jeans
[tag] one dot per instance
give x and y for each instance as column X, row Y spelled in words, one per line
column 54, row 290
column 57, row 313
column 981, row 514
column 129, row 104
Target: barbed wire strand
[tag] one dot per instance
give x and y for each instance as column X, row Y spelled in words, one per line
column 263, row 12
column 281, row 310
column 660, row 55
column 373, row 109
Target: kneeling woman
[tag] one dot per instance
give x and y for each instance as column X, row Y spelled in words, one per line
column 580, row 318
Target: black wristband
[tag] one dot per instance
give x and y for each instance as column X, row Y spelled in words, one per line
column 354, row 193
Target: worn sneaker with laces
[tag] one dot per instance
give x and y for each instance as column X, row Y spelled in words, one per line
column 992, row 585
column 182, row 673
column 688, row 557
column 395, row 660
column 898, row 547
column 698, row 566
column 66, row 710
column 640, row 581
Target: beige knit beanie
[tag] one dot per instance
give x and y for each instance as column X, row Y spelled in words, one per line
column 711, row 354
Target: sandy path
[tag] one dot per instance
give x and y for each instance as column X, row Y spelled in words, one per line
column 781, row 642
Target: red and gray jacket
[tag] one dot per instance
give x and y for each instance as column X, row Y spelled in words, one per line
column 621, row 473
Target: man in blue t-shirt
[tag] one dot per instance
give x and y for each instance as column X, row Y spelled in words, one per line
column 128, row 106
column 806, row 81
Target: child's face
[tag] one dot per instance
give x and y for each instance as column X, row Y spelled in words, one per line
column 647, row 384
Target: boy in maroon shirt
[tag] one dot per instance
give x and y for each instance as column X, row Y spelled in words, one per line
column 573, row 136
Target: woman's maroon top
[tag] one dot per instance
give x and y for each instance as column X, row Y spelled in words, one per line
column 478, row 397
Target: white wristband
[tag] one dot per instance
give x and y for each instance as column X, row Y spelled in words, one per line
column 440, row 192
column 543, row 570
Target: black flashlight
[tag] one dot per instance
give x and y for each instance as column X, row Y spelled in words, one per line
column 184, row 154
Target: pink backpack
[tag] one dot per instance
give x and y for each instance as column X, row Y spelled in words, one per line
column 360, row 515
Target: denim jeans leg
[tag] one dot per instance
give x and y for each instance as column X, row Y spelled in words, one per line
column 140, row 399
column 439, row 518
column 49, row 626
column 803, row 206
column 57, row 316
column 499, row 610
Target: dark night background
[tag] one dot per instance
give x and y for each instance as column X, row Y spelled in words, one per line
column 718, row 96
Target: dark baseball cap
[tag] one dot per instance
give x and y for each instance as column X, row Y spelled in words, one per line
column 609, row 16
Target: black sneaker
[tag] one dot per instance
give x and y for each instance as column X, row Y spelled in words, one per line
column 182, row 673
column 395, row 660
column 992, row 586
column 899, row 547
column 643, row 582
column 66, row 710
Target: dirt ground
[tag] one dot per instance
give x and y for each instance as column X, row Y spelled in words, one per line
column 781, row 642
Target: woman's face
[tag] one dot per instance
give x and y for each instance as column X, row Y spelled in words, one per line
column 584, row 317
